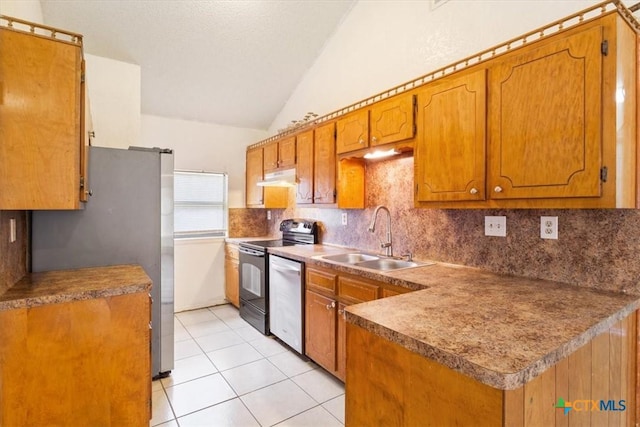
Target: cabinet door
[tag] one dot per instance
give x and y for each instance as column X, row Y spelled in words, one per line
column 353, row 132
column 320, row 330
column 324, row 174
column 232, row 281
column 40, row 113
column 341, row 355
column 392, row 120
column 287, row 152
column 254, row 175
column 450, row 147
column 545, row 120
column 304, row 167
column 270, row 156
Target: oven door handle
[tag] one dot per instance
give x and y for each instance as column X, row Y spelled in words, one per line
column 251, row 252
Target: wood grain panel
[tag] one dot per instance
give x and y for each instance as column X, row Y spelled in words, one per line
column 392, row 120
column 451, row 154
column 270, row 158
column 255, row 172
column 357, row 290
column 287, row 152
column 321, row 280
column 304, row 167
column 40, row 114
column 351, row 183
column 563, row 157
column 320, row 330
column 540, row 399
column 324, row 177
column 352, row 131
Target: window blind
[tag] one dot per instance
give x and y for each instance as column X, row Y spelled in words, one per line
column 200, row 204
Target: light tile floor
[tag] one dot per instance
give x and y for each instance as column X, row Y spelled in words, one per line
column 228, row 374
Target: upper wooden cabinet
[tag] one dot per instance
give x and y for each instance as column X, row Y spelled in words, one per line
column 280, row 154
column 316, row 165
column 384, row 122
column 42, row 130
column 450, row 153
column 304, row 167
column 543, row 119
column 254, row 193
column 257, row 196
column 324, row 171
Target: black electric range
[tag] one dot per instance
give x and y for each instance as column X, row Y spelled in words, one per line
column 254, row 271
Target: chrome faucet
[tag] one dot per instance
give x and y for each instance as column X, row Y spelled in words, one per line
column 388, row 246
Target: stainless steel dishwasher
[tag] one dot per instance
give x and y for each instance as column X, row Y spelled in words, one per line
column 286, row 286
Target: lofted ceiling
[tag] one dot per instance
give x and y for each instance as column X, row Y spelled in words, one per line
column 232, row 62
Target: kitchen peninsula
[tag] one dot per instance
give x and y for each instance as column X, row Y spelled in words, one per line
column 473, row 347
column 75, row 348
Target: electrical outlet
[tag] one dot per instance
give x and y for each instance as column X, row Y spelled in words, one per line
column 12, row 230
column 344, row 218
column 268, row 215
column 495, row 226
column 549, row 227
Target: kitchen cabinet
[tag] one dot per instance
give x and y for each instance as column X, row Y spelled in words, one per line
column 85, row 362
column 254, row 174
column 316, row 166
column 385, row 122
column 42, row 119
column 328, row 292
column 280, row 154
column 305, row 167
column 450, row 154
column 257, row 196
column 324, row 171
column 388, row 384
column 231, row 274
column 550, row 139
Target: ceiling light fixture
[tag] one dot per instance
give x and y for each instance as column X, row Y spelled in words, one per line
column 378, row 154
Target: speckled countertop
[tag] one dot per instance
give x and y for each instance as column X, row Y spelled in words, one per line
column 52, row 287
column 500, row 330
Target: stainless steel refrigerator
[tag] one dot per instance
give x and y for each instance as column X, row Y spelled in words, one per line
column 128, row 219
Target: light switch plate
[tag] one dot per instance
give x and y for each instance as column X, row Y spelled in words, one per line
column 495, row 226
column 344, row 218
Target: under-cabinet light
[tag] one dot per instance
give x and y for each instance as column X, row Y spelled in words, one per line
column 378, row 154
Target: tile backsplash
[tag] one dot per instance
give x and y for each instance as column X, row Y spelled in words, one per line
column 596, row 248
column 13, row 256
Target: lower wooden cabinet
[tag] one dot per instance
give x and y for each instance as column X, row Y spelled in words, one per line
column 328, row 293
column 77, row 363
column 231, row 275
column 388, row 384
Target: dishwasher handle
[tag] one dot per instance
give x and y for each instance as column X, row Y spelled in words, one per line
column 285, row 269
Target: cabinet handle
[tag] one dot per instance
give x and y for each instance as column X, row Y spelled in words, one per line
column 374, row 139
column 342, row 313
column 473, row 191
column 332, row 305
column 498, row 189
column 361, row 141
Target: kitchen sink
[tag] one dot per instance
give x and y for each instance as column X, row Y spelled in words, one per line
column 373, row 262
column 351, row 258
column 388, row 264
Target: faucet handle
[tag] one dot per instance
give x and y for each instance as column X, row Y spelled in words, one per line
column 409, row 256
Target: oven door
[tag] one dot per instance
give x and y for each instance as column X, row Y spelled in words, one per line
column 253, row 280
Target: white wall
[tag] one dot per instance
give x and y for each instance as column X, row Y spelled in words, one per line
column 29, row 10
column 114, row 101
column 383, row 43
column 204, row 146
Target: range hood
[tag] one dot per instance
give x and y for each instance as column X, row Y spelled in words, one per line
column 279, row 178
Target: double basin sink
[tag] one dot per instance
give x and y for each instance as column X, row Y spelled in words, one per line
column 373, row 262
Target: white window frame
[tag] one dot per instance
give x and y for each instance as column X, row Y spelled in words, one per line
column 203, row 233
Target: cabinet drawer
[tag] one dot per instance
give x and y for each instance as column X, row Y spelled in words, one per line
column 395, row 290
column 357, row 290
column 321, row 280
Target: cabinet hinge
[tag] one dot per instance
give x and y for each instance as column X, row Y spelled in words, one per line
column 82, row 182
column 82, row 78
column 604, row 47
column 603, row 173
column 417, row 188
